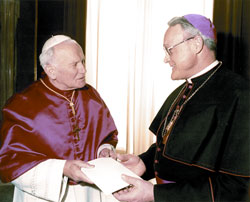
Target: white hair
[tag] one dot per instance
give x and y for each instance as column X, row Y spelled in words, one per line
column 46, row 56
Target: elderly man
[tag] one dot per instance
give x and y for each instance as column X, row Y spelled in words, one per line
column 202, row 150
column 53, row 127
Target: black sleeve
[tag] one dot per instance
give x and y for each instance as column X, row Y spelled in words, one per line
column 148, row 159
column 217, row 187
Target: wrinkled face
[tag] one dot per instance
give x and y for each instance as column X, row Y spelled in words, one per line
column 68, row 66
column 182, row 57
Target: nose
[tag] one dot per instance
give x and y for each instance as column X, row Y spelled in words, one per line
column 166, row 58
column 82, row 68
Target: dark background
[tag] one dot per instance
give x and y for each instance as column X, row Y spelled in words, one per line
column 231, row 19
column 50, row 17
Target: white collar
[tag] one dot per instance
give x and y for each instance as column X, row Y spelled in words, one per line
column 205, row 70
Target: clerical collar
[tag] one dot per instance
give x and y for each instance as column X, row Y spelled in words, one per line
column 205, row 70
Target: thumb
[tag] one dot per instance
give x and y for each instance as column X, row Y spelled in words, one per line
column 87, row 165
column 122, row 157
column 119, row 156
column 131, row 180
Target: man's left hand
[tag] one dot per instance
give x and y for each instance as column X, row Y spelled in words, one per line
column 139, row 191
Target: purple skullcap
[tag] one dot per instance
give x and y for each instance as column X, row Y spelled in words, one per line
column 203, row 24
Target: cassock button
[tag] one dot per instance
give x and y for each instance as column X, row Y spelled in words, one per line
column 158, row 149
column 156, row 173
column 156, row 161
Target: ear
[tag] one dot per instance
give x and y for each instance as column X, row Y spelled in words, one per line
column 198, row 44
column 50, row 71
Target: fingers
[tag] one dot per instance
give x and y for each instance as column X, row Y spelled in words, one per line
column 139, row 190
column 72, row 169
column 131, row 180
column 113, row 154
column 108, row 153
column 86, row 165
column 84, row 178
column 122, row 195
column 105, row 152
column 127, row 160
column 123, row 157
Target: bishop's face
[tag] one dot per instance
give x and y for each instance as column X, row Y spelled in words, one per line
column 68, row 66
column 179, row 52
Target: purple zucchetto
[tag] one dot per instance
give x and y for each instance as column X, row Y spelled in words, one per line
column 203, row 24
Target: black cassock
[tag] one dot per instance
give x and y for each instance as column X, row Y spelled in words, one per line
column 207, row 153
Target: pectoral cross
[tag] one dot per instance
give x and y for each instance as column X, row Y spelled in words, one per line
column 170, row 125
column 76, row 132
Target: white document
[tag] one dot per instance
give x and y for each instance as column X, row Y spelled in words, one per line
column 107, row 174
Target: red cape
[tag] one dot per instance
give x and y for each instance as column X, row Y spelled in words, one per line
column 38, row 125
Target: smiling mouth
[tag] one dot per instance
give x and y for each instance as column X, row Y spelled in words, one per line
column 82, row 78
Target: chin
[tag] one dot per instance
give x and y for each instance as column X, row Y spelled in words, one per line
column 176, row 76
column 82, row 85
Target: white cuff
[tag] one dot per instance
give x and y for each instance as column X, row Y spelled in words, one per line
column 103, row 146
column 44, row 180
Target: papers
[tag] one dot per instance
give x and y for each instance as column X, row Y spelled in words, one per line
column 107, row 174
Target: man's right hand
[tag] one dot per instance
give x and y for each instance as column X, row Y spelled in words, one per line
column 72, row 169
column 132, row 162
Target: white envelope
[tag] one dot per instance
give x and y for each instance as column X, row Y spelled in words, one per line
column 107, row 174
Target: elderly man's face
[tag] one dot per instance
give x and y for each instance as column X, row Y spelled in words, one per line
column 182, row 57
column 68, row 62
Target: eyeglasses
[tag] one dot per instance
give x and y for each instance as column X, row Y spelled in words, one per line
column 168, row 50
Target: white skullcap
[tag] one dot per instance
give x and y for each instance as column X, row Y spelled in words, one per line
column 53, row 41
